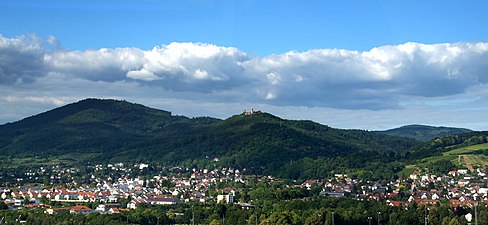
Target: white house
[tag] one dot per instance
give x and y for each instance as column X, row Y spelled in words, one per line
column 483, row 191
column 435, row 196
column 225, row 198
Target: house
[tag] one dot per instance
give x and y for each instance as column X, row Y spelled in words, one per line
column 163, row 201
column 413, row 176
column 427, row 201
column 113, row 211
column 396, row 203
column 453, row 173
column 81, row 209
column 134, row 203
column 245, row 205
column 225, row 198
column 102, row 208
column 18, row 202
column 37, row 205
column 483, row 191
column 380, row 190
column 412, row 198
column 435, row 196
column 52, row 211
column 424, row 196
column 332, row 194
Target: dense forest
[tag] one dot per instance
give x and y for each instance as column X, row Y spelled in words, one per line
column 118, row 131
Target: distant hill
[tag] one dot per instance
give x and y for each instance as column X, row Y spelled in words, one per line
column 424, row 133
column 95, row 130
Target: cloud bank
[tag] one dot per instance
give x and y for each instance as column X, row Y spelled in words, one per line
column 383, row 78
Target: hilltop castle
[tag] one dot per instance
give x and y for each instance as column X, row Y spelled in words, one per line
column 246, row 113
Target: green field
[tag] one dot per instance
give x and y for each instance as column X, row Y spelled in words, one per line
column 473, row 161
column 467, row 150
column 465, row 157
column 67, row 159
column 409, row 169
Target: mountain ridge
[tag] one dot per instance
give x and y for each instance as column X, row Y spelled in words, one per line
column 424, row 132
column 115, row 130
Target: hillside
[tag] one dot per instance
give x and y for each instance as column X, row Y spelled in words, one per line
column 95, row 130
column 424, row 133
column 439, row 146
column 470, row 157
column 440, row 155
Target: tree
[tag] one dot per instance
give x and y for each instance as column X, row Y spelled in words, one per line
column 3, row 206
column 46, row 181
column 454, row 221
column 483, row 218
column 44, row 200
column 316, row 218
column 446, row 221
column 328, row 218
column 393, row 216
column 215, row 222
column 252, row 219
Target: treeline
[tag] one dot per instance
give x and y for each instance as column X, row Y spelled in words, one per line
column 313, row 211
column 361, row 166
column 439, row 145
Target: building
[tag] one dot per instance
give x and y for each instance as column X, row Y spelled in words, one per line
column 225, row 198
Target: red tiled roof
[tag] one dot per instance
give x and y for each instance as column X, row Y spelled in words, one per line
column 80, row 208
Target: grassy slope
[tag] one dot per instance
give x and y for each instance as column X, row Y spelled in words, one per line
column 465, row 157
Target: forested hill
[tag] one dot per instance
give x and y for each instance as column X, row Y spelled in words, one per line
column 92, row 125
column 447, row 143
column 118, row 131
column 423, row 132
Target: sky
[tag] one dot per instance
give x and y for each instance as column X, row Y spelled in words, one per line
column 370, row 65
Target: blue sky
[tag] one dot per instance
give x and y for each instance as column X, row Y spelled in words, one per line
column 261, row 27
column 348, row 64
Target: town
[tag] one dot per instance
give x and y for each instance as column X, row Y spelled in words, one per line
column 113, row 188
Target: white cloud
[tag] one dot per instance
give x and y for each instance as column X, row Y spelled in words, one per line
column 200, row 74
column 373, row 79
column 383, row 78
column 142, row 74
column 102, row 64
column 270, row 96
column 36, row 99
column 195, row 66
column 20, row 59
